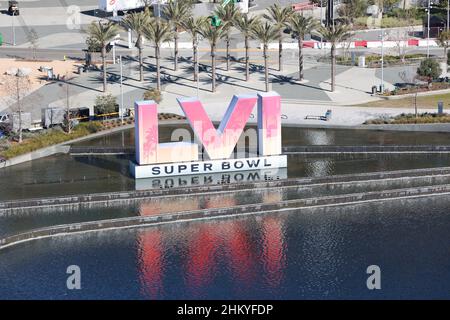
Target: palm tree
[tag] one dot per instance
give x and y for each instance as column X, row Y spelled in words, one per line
column 177, row 12
column 137, row 22
column 103, row 33
column 279, row 17
column 194, row 26
column 245, row 25
column 334, row 34
column 265, row 32
column 158, row 32
column 228, row 15
column 300, row 26
column 213, row 35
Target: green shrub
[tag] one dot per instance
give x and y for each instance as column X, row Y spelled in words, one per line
column 153, row 94
column 51, row 137
column 393, row 22
column 429, row 68
column 410, row 118
column 91, row 127
column 105, row 104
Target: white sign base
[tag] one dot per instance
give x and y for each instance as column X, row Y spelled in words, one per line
column 205, row 167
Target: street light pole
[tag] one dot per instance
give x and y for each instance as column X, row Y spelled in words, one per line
column 382, row 62
column 158, row 4
column 321, row 23
column 196, row 68
column 13, row 29
column 114, row 52
column 121, row 90
column 428, row 30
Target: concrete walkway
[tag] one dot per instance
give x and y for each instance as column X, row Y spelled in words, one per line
column 310, row 97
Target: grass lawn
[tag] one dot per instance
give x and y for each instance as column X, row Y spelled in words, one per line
column 422, row 102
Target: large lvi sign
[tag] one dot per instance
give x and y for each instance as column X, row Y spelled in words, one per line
column 154, row 159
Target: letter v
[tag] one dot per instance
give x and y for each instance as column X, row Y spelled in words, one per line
column 219, row 144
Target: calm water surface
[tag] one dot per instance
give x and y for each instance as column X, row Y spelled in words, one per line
column 65, row 174
column 320, row 254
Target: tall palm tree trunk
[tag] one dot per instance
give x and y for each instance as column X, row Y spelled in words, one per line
column 228, row 51
column 175, row 62
column 247, row 60
column 300, row 58
column 158, row 68
column 266, row 70
column 194, row 46
column 280, row 51
column 104, row 67
column 213, row 68
column 333, row 67
column 141, row 64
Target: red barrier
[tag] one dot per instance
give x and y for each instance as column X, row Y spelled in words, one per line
column 362, row 43
column 308, row 44
column 413, row 42
column 303, row 6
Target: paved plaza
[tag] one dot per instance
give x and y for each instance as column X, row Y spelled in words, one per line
column 60, row 24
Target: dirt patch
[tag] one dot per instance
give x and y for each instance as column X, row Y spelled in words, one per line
column 37, row 78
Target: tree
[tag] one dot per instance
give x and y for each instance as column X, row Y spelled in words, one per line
column 103, row 33
column 400, row 36
column 194, row 27
column 158, row 32
column 265, row 32
column 301, row 26
column 33, row 39
column 137, row 22
column 105, row 104
column 334, row 34
column 410, row 78
column 177, row 12
column 18, row 87
column 67, row 124
column 352, row 9
column 228, row 15
column 279, row 17
column 93, row 45
column 429, row 69
column 213, row 35
column 387, row 5
column 245, row 25
column 444, row 41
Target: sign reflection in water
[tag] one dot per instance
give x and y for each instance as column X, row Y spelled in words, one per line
column 211, row 179
column 230, row 239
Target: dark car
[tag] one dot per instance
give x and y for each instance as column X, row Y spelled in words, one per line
column 13, row 8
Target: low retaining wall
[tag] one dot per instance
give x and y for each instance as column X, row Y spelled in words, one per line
column 58, row 148
column 410, row 95
column 94, row 150
column 6, row 206
column 423, row 127
column 41, row 153
column 367, row 149
column 283, row 206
